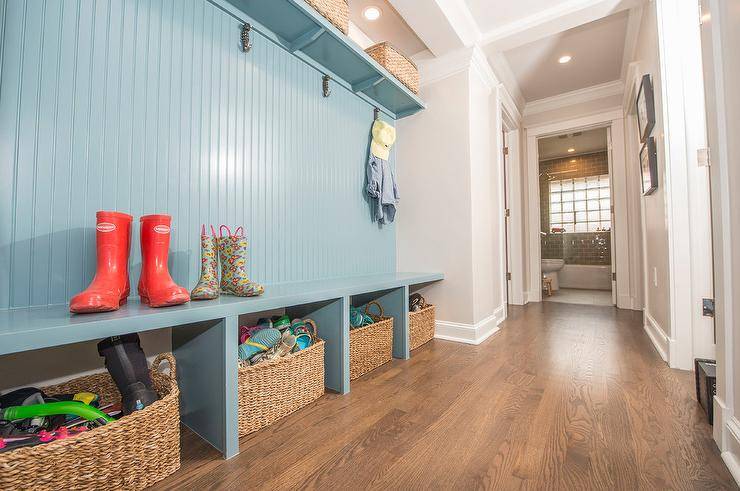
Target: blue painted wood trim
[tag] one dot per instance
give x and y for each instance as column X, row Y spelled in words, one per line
column 396, row 305
column 306, row 39
column 101, row 109
column 332, row 320
column 229, row 7
column 41, row 327
column 367, row 83
column 207, row 378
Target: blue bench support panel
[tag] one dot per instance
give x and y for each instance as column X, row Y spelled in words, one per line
column 332, row 318
column 206, row 355
column 396, row 305
column 205, row 337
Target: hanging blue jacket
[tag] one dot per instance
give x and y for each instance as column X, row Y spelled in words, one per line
column 382, row 189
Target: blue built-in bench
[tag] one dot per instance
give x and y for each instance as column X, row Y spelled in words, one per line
column 205, row 337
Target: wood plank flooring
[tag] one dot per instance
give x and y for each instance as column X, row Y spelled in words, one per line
column 563, row 397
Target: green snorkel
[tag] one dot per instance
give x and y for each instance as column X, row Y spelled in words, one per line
column 76, row 408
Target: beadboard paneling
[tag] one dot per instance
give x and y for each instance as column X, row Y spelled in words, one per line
column 151, row 107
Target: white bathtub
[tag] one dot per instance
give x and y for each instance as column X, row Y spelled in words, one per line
column 586, row 276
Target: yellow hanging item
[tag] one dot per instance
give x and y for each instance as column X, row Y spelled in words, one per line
column 384, row 135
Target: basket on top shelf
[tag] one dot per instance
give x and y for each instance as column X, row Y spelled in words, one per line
column 335, row 11
column 133, row 452
column 421, row 325
column 273, row 389
column 370, row 346
column 395, row 62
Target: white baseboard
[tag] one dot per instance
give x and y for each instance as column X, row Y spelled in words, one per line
column 657, row 336
column 732, row 426
column 628, row 302
column 471, row 333
column 721, row 415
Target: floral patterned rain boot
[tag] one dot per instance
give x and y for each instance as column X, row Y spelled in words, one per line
column 232, row 250
column 207, row 287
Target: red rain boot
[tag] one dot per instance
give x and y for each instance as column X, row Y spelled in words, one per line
column 156, row 287
column 110, row 287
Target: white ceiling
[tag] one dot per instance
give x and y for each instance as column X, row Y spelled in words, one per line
column 389, row 27
column 589, row 141
column 492, row 15
column 596, row 48
column 522, row 39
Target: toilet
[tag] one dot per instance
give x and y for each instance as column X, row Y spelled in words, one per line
column 550, row 268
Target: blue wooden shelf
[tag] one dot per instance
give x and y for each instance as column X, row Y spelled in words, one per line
column 301, row 30
column 205, row 338
column 42, row 327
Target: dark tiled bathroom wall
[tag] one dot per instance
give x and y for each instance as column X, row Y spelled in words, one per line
column 592, row 248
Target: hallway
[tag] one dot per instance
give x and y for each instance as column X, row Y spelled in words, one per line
column 563, row 397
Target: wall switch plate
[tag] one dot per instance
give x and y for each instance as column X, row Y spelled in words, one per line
column 702, row 157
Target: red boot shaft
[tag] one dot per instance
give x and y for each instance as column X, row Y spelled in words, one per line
column 110, row 287
column 156, row 287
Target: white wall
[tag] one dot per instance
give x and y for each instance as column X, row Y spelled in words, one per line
column 434, row 219
column 657, row 295
column 484, row 199
column 450, row 215
column 721, row 38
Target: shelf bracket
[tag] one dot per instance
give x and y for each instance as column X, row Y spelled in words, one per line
column 306, row 39
column 367, row 83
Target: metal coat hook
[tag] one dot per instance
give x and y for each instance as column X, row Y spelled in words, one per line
column 325, row 85
column 246, row 41
column 376, row 113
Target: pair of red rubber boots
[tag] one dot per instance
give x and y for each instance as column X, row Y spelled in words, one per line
column 110, row 287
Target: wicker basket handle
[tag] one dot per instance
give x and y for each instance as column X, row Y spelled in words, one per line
column 380, row 308
column 310, row 322
column 170, row 359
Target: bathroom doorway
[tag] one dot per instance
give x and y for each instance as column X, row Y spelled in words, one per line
column 576, row 217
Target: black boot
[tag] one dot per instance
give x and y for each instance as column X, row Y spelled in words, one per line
column 127, row 365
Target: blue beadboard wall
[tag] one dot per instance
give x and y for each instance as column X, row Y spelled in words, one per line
column 151, row 107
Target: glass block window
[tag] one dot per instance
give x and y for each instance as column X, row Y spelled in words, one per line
column 580, row 205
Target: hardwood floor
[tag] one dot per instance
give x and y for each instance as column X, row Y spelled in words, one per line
column 563, row 397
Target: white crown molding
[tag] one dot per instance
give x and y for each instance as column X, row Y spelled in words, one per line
column 480, row 65
column 462, row 21
column 630, row 39
column 433, row 70
column 579, row 96
column 471, row 333
column 503, row 72
column 551, row 21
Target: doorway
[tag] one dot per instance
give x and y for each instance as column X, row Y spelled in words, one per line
column 576, row 217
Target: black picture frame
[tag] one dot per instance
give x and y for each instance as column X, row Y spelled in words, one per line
column 649, row 167
column 645, row 104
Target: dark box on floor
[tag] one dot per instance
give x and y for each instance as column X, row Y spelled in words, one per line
column 705, row 372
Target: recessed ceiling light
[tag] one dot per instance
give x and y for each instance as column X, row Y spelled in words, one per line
column 564, row 59
column 571, row 150
column 372, row 13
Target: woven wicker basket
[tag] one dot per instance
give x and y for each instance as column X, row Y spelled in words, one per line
column 421, row 326
column 273, row 389
column 400, row 67
column 132, row 453
column 335, row 11
column 370, row 346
